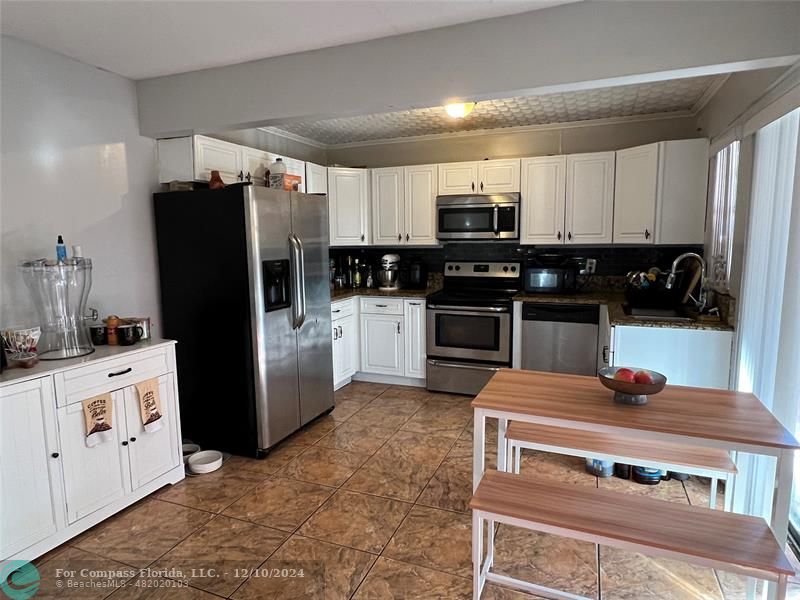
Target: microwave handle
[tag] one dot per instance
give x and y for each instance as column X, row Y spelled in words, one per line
column 496, row 220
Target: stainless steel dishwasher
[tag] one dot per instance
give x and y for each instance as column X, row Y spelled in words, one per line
column 560, row 338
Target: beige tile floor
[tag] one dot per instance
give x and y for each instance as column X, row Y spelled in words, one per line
column 369, row 502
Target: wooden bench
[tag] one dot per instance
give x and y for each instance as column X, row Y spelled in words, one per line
column 693, row 460
column 694, row 534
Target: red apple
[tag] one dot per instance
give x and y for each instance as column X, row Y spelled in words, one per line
column 624, row 374
column 643, row 377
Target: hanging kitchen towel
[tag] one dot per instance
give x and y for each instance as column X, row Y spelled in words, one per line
column 98, row 416
column 150, row 405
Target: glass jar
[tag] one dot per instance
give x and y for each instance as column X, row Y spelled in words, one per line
column 60, row 291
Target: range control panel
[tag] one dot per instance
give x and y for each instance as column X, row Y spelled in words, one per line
column 482, row 269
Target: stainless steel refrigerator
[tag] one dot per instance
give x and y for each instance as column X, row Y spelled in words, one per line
column 245, row 292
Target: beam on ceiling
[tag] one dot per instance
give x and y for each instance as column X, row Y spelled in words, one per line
column 563, row 48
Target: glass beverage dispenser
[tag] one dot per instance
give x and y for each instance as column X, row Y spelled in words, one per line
column 60, row 291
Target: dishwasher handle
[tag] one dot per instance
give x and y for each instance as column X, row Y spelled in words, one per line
column 561, row 313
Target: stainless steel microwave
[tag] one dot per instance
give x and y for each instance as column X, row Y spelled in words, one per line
column 490, row 217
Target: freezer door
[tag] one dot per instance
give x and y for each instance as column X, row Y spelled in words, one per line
column 315, row 358
column 274, row 339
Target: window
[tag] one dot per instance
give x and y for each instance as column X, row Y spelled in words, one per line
column 724, row 167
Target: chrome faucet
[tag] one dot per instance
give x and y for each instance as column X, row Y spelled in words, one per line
column 701, row 300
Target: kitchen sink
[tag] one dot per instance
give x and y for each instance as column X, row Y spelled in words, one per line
column 660, row 314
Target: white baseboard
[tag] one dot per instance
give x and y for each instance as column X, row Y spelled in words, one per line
column 388, row 379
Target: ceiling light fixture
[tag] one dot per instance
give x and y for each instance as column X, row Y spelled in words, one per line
column 459, row 110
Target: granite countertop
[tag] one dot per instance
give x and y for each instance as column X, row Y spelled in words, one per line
column 344, row 293
column 616, row 313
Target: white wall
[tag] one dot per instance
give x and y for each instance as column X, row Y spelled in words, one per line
column 73, row 163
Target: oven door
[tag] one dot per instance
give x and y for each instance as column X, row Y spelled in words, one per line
column 491, row 221
column 471, row 333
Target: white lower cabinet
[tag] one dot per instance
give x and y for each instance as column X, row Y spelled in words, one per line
column 31, row 495
column 382, row 344
column 696, row 357
column 344, row 337
column 414, row 321
column 52, row 485
column 93, row 477
column 393, row 337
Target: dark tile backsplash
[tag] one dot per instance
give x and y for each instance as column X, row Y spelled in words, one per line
column 614, row 261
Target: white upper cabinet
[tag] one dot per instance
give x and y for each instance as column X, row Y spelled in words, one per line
column 481, row 177
column 215, row 155
column 635, row 195
column 255, row 164
column 590, row 198
column 420, row 209
column 682, row 191
column 388, row 206
column 543, row 188
column 316, row 179
column 498, row 176
column 458, row 178
column 348, row 197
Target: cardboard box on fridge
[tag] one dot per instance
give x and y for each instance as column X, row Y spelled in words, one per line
column 284, row 181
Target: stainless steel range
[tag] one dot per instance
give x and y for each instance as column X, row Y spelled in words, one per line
column 469, row 325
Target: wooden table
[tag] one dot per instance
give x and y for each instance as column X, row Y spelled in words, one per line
column 733, row 421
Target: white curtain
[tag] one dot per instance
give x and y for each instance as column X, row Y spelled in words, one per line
column 769, row 320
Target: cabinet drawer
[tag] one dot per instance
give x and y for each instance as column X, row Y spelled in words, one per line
column 104, row 376
column 382, row 306
column 343, row 308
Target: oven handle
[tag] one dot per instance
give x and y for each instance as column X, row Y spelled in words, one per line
column 452, row 365
column 488, row 309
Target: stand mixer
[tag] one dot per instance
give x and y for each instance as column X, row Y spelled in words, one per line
column 389, row 273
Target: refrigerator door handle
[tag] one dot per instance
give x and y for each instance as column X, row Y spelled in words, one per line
column 294, row 262
column 301, row 280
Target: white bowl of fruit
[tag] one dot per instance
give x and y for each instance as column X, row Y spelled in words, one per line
column 631, row 385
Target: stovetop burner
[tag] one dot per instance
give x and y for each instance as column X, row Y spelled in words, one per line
column 489, row 283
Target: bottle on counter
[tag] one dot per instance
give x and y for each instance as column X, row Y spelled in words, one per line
column 61, row 250
column 370, row 280
column 356, row 276
column 348, row 273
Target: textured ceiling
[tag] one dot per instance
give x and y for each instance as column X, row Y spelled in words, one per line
column 620, row 101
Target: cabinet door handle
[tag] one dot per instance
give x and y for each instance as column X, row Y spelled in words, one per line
column 381, row 305
column 398, row 327
column 240, row 176
column 558, row 237
column 54, row 455
column 335, row 334
column 123, row 372
column 362, row 237
column 399, row 236
column 248, row 176
column 125, row 443
column 481, row 186
column 340, row 331
column 408, row 237
column 473, row 186
column 337, row 310
column 414, row 303
column 646, row 234
column 569, row 235
column 133, row 439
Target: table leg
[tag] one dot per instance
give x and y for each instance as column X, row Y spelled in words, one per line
column 477, row 554
column 781, row 504
column 502, row 425
column 478, row 447
column 712, row 498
